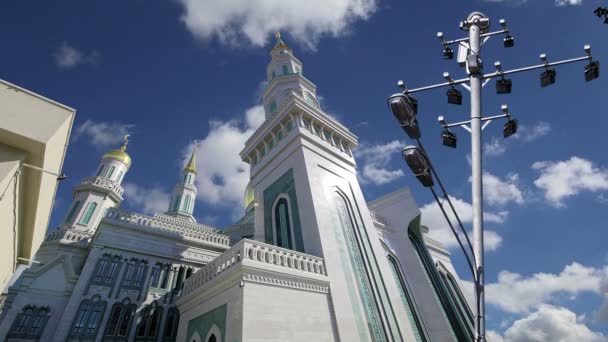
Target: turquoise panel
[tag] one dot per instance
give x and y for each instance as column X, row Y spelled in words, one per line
column 202, row 324
column 285, row 184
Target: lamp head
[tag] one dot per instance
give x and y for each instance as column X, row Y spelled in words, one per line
column 62, row 177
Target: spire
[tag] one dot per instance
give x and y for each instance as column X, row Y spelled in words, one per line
column 280, row 44
column 191, row 166
column 120, row 154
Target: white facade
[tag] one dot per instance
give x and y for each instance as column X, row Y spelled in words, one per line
column 309, row 260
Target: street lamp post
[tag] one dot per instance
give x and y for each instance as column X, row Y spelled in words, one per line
column 404, row 107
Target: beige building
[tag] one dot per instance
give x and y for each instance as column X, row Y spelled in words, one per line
column 34, row 133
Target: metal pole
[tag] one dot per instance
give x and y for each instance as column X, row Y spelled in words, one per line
column 476, row 177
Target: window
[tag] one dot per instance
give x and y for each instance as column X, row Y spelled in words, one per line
column 171, row 325
column 110, row 172
column 456, row 296
column 135, row 273
column 30, row 322
column 176, row 203
column 120, row 319
column 460, row 328
column 86, row 217
column 282, row 224
column 72, row 212
column 88, row 317
column 273, row 106
column 212, row 338
column 186, row 204
column 149, row 322
column 285, row 69
column 119, row 178
column 100, row 170
column 106, row 269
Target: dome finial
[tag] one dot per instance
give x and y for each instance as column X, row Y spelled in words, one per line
column 191, row 166
column 280, row 44
column 124, row 146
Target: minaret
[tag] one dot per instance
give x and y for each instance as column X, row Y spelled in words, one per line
column 284, row 74
column 184, row 193
column 95, row 195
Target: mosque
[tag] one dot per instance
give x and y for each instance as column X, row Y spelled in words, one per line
column 310, row 260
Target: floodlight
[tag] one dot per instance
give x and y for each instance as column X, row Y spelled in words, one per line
column 404, row 108
column 412, row 130
column 448, row 138
column 503, row 24
column 419, row 164
column 547, row 77
column 503, row 86
column 62, row 177
column 592, row 71
column 448, row 53
column 510, row 128
column 454, row 96
column 508, row 41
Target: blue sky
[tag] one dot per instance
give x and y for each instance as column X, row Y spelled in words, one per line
column 170, row 72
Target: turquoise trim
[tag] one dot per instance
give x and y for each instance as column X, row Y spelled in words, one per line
column 88, row 213
column 285, row 184
column 347, row 225
column 202, row 324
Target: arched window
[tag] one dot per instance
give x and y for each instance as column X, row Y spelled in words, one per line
column 119, row 177
column 212, row 338
column 100, row 170
column 86, row 217
column 456, row 296
column 110, row 172
column 72, row 212
column 189, row 272
column 106, row 269
column 460, row 328
column 282, row 225
column 176, row 203
column 120, row 319
column 407, row 299
column 135, row 273
column 186, row 204
column 149, row 322
column 30, row 322
column 171, row 325
column 285, row 69
column 88, row 317
column 273, row 106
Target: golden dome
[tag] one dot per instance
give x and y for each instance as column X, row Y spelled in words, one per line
column 120, row 154
column 249, row 195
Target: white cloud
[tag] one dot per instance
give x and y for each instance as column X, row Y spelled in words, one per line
column 147, row 200
column 233, row 22
column 67, row 57
column 498, row 191
column 519, row 294
column 495, row 147
column 440, row 230
column 103, row 134
column 531, row 133
column 551, row 323
column 221, row 173
column 568, row 2
column 567, row 178
column 375, row 160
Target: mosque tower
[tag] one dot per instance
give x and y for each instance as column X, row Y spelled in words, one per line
column 184, row 193
column 95, row 195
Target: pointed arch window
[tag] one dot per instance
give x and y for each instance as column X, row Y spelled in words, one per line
column 171, row 325
column 106, row 270
column 30, row 322
column 186, row 204
column 282, row 224
column 110, row 172
column 285, row 69
column 86, row 217
column 72, row 212
column 88, row 317
column 119, row 177
column 149, row 322
column 176, row 203
column 212, row 338
column 119, row 321
column 135, row 273
column 101, row 167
